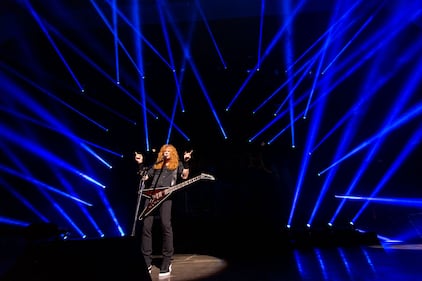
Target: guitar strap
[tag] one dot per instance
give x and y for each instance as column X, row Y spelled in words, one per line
column 174, row 177
column 157, row 177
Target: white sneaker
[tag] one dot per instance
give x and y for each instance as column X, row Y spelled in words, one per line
column 165, row 271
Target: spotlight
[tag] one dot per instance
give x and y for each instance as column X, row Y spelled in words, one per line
column 308, row 225
column 65, row 235
column 330, row 225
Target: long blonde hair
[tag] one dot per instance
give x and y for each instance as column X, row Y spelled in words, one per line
column 173, row 162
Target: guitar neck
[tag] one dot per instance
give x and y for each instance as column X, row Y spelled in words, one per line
column 155, row 201
column 185, row 183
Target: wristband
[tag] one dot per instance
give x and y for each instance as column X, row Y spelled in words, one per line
column 186, row 165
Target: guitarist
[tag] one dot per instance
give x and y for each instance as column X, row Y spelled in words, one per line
column 167, row 171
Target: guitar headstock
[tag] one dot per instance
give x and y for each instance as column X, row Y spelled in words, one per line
column 204, row 176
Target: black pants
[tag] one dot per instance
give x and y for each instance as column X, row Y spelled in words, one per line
column 167, row 233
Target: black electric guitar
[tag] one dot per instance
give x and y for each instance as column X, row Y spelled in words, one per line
column 157, row 195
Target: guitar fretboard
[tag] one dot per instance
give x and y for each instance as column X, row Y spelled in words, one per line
column 186, row 182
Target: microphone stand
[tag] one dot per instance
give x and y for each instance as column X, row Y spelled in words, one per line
column 143, row 172
column 138, row 203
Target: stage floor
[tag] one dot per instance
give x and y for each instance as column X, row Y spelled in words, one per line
column 120, row 259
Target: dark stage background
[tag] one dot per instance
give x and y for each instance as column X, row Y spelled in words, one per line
column 71, row 100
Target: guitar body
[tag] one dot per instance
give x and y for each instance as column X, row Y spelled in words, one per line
column 151, row 192
column 156, row 196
